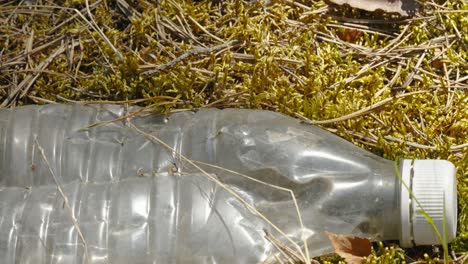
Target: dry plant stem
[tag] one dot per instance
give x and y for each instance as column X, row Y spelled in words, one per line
column 396, row 42
column 28, row 48
column 462, row 259
column 103, row 36
column 186, row 27
column 251, row 58
column 295, row 3
column 450, row 91
column 421, row 146
column 67, row 100
column 40, row 100
column 225, row 98
column 134, row 101
column 285, row 248
column 391, row 83
column 180, row 31
column 90, row 7
column 276, row 256
column 411, row 77
column 364, row 69
column 459, row 147
column 278, row 259
column 127, row 9
column 362, row 29
column 224, row 186
column 415, row 129
column 286, row 69
column 32, row 52
column 412, row 144
column 181, row 16
column 95, row 28
column 192, row 52
column 278, row 247
column 374, row 21
column 66, row 202
column 30, row 78
column 359, row 112
column 134, row 113
column 204, row 29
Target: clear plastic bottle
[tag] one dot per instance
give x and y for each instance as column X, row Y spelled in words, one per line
column 136, row 201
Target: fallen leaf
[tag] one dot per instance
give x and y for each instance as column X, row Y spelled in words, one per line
column 350, row 35
column 351, row 248
column 402, row 7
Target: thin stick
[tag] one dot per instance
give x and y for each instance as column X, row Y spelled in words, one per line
column 362, row 29
column 42, row 100
column 389, row 84
column 359, row 112
column 412, row 144
column 29, row 45
column 421, row 146
column 278, row 259
column 99, row 31
column 459, row 147
column 30, row 78
column 92, row 24
column 134, row 113
column 192, row 52
column 364, row 69
column 33, row 51
column 396, row 42
column 133, row 101
column 204, row 29
column 65, row 199
column 273, row 242
column 276, row 241
column 59, row 26
column 411, row 77
column 225, row 98
column 251, row 58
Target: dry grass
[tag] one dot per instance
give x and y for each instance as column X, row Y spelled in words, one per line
column 395, row 86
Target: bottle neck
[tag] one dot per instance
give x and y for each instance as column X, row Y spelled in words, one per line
column 391, row 205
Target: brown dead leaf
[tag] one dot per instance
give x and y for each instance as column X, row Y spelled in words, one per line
column 351, row 248
column 350, row 35
column 402, row 7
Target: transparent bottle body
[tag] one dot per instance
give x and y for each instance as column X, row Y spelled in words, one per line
column 136, row 200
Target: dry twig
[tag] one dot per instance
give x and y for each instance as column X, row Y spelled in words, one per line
column 192, row 52
column 66, row 201
column 359, row 112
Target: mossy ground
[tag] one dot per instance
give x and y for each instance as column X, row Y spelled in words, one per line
column 303, row 58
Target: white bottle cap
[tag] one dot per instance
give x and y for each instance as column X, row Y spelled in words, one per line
column 431, row 182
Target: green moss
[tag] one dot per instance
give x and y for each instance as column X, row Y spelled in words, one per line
column 289, row 59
